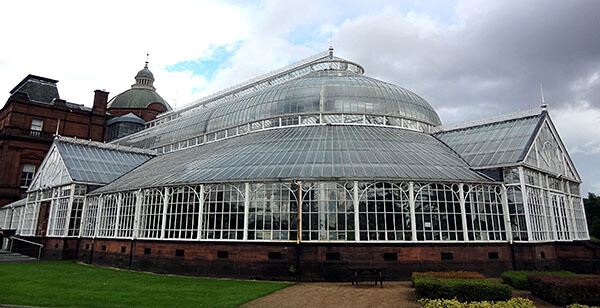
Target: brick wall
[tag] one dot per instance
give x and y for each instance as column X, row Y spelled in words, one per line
column 330, row 262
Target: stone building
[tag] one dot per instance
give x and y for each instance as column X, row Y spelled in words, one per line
column 34, row 113
column 31, row 117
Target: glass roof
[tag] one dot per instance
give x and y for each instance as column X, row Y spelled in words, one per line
column 494, row 143
column 306, row 152
column 328, row 91
column 87, row 163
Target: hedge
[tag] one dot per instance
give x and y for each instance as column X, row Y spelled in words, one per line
column 518, row 279
column 566, row 290
column 452, row 303
column 453, row 274
column 464, row 290
column 581, row 306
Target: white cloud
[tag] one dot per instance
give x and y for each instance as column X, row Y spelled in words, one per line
column 578, row 126
column 487, row 59
column 102, row 46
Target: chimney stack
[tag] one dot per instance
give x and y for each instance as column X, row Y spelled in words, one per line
column 100, row 102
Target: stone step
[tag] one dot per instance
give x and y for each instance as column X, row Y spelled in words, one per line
column 9, row 261
column 13, row 257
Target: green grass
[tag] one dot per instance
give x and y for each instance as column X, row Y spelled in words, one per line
column 68, row 284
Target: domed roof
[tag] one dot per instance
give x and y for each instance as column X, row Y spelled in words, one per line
column 326, row 92
column 136, row 98
column 141, row 94
column 145, row 73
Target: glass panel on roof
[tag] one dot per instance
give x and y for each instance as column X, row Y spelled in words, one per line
column 491, row 144
column 305, row 151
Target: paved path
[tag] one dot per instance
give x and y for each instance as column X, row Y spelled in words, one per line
column 327, row 294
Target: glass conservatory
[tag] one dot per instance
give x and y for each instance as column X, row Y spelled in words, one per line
column 318, row 152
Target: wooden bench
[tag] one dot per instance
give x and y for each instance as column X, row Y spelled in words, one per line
column 367, row 273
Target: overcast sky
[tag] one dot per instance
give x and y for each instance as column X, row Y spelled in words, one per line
column 469, row 59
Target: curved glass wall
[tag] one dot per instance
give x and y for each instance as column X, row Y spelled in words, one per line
column 314, row 211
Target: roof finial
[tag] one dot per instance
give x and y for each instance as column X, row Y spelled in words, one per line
column 331, row 51
column 147, row 55
column 543, row 105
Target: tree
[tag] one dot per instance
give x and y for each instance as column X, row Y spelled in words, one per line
column 592, row 214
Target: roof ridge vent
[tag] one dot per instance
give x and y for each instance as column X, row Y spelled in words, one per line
column 489, row 120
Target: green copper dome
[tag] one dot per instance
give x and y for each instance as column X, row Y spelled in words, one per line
column 141, row 94
column 145, row 73
column 137, row 99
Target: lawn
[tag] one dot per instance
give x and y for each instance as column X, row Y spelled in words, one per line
column 68, row 284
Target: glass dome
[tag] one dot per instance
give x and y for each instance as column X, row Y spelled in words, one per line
column 330, row 93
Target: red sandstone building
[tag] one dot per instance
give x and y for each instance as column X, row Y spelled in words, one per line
column 35, row 113
column 31, row 117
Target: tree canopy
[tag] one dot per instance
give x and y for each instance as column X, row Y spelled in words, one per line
column 592, row 213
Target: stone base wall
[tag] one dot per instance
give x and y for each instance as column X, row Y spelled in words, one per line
column 317, row 261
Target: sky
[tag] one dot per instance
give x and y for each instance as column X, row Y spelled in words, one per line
column 469, row 59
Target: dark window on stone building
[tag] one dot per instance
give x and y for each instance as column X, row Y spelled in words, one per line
column 179, row 252
column 543, row 255
column 147, row 251
column 87, row 246
column 332, row 256
column 390, row 256
column 27, row 174
column 447, row 256
column 493, row 255
column 123, row 249
column 223, row 254
column 103, row 247
column 274, row 255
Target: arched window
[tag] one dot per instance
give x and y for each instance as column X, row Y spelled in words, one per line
column 151, row 212
column 384, row 212
column 327, row 211
column 182, row 213
column 273, row 212
column 437, row 212
column 223, row 213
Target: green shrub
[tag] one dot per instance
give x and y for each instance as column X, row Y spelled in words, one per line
column 581, row 306
column 566, row 290
column 518, row 279
column 453, row 303
column 453, row 274
column 464, row 290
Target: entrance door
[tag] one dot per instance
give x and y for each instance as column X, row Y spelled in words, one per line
column 43, row 216
column 560, row 216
